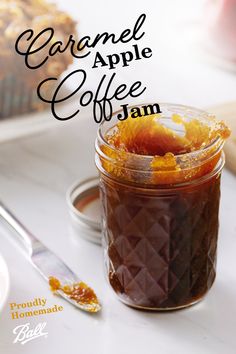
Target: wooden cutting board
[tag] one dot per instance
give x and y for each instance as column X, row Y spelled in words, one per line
column 227, row 112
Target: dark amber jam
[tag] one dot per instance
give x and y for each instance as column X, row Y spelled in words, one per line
column 160, row 192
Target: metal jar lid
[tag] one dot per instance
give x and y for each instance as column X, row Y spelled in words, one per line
column 85, row 210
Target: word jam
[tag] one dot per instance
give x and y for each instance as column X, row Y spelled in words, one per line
column 30, row 45
column 136, row 112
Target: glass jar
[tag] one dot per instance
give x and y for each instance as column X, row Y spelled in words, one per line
column 160, row 228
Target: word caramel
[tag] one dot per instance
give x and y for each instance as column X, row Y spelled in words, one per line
column 35, row 45
column 35, row 307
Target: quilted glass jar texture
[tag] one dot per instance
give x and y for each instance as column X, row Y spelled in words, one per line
column 160, row 214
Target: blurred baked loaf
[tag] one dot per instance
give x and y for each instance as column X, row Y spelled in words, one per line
column 17, row 82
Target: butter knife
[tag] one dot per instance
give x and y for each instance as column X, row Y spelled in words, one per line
column 50, row 266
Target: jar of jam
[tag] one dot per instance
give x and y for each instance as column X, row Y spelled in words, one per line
column 160, row 193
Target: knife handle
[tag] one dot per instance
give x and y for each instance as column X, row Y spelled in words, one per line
column 24, row 236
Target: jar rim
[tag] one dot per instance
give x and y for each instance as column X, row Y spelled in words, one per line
column 189, row 165
column 169, row 105
column 170, row 187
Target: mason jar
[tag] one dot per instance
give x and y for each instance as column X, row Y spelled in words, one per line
column 160, row 227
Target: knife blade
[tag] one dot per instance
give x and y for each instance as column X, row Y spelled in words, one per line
column 50, row 266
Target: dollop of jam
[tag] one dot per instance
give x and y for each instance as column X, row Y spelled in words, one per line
column 151, row 136
column 80, row 292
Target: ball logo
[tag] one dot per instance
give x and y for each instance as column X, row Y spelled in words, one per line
column 25, row 334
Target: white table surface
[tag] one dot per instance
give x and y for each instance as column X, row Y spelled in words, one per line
column 35, row 172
